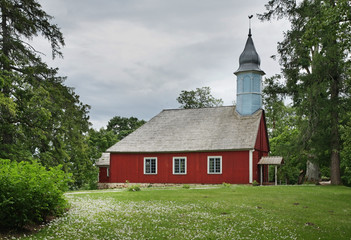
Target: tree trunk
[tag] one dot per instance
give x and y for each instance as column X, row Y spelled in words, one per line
column 335, row 148
column 312, row 172
column 301, row 177
column 335, row 136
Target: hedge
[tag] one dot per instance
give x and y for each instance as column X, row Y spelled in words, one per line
column 29, row 193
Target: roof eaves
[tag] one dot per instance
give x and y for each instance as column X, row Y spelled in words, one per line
column 183, row 151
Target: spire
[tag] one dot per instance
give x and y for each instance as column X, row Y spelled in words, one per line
column 250, row 25
column 249, row 79
column 249, row 59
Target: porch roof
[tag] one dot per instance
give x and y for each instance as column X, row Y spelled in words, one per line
column 271, row 160
column 104, row 160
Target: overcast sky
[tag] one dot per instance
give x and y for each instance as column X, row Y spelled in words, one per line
column 134, row 57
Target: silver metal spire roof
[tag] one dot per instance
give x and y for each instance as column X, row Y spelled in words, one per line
column 249, row 59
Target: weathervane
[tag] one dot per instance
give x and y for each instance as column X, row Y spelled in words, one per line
column 250, row 16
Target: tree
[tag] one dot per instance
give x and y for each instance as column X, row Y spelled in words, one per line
column 40, row 117
column 98, row 142
column 283, row 133
column 200, row 98
column 346, row 151
column 122, row 126
column 315, row 54
column 275, row 110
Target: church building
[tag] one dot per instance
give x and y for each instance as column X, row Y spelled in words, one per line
column 198, row 146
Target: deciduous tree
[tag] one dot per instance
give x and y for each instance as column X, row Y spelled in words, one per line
column 199, row 98
column 315, row 56
column 123, row 126
column 40, row 117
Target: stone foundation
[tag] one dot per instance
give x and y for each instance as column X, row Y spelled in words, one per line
column 125, row 185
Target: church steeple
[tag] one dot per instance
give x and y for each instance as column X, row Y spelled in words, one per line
column 249, row 59
column 249, row 78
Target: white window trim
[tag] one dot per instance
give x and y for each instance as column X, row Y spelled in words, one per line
column 251, row 165
column 145, row 165
column 208, row 164
column 185, row 168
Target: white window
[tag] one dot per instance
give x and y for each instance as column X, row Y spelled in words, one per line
column 150, row 165
column 214, row 165
column 179, row 165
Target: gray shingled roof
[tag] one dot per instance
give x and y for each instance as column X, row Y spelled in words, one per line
column 104, row 160
column 187, row 130
column 271, row 160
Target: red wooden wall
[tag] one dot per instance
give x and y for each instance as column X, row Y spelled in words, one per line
column 130, row 167
column 103, row 178
column 262, row 143
column 261, row 149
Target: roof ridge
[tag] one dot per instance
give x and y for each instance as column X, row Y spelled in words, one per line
column 182, row 109
column 187, row 130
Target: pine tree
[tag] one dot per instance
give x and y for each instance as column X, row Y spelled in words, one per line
column 40, row 117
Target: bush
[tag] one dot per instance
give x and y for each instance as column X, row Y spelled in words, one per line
column 134, row 188
column 255, row 183
column 186, row 186
column 226, row 185
column 29, row 193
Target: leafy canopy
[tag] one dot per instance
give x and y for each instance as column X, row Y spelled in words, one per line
column 315, row 58
column 40, row 117
column 123, row 126
column 199, row 98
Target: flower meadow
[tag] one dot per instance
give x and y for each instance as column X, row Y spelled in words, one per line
column 108, row 219
column 162, row 215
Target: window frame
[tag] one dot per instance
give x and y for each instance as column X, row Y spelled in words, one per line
column 208, row 164
column 185, row 166
column 150, row 158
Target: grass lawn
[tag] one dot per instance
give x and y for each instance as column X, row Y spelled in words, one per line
column 235, row 212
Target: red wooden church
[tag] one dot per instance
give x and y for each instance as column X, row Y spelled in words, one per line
column 203, row 146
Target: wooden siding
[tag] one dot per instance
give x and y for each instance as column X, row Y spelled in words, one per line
column 261, row 149
column 262, row 143
column 235, row 168
column 103, row 178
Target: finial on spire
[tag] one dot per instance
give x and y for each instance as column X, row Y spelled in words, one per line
column 250, row 16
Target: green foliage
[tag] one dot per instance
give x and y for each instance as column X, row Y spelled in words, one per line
column 186, row 186
column 29, row 193
column 346, row 152
column 98, row 142
column 315, row 58
column 134, row 188
column 41, row 118
column 122, row 126
column 286, row 144
column 283, row 133
column 255, row 183
column 226, row 185
column 200, row 98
